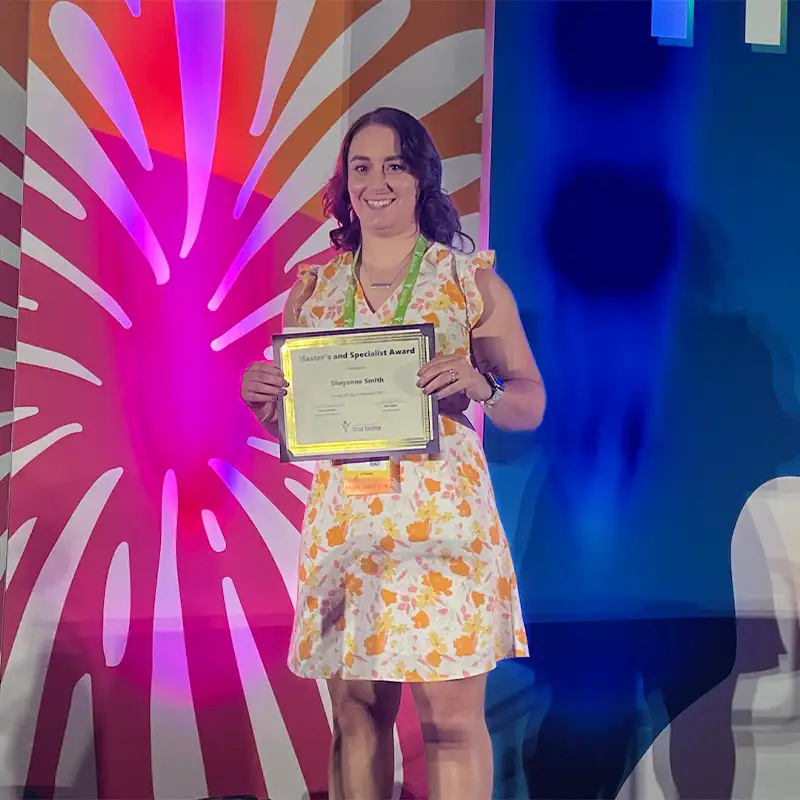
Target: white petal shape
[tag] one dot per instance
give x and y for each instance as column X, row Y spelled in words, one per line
column 408, row 87
column 27, row 304
column 460, row 171
column 61, row 128
column 7, row 311
column 8, row 358
column 282, row 773
column 279, row 535
column 174, row 737
column 318, row 241
column 12, row 120
column 272, row 449
column 135, row 7
column 87, row 52
column 200, row 29
column 45, row 255
column 76, row 774
column 470, row 224
column 213, row 531
column 9, row 252
column 269, row 354
column 297, row 489
column 16, row 547
column 24, row 676
column 50, row 359
column 43, row 182
column 356, row 45
column 21, row 458
column 23, row 412
column 3, row 555
column 117, row 606
column 288, row 26
column 397, row 789
column 255, row 318
column 10, row 184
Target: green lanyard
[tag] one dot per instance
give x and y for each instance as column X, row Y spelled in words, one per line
column 349, row 320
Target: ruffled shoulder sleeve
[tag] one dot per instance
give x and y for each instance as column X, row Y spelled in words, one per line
column 319, row 287
column 304, row 271
column 307, row 275
column 467, row 267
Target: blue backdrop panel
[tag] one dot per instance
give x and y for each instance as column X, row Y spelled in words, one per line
column 643, row 203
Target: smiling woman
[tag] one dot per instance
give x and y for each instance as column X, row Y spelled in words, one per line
column 388, row 172
column 416, row 585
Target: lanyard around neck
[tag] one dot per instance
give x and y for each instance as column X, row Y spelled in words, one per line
column 403, row 300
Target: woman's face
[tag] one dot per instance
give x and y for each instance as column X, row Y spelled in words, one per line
column 383, row 192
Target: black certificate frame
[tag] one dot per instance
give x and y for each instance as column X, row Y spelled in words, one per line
column 367, row 449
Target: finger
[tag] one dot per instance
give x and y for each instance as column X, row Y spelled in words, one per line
column 440, row 382
column 264, row 365
column 268, row 378
column 265, row 375
column 271, row 378
column 264, row 369
column 255, row 399
column 442, row 368
column 427, row 379
column 273, row 392
column 438, row 365
column 266, row 389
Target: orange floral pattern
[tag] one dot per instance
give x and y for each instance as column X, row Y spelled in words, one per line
column 418, row 585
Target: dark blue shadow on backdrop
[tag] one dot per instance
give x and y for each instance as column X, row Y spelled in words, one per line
column 662, row 414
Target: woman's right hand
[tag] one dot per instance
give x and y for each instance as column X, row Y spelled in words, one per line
column 263, row 385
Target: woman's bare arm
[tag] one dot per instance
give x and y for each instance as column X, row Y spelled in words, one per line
column 501, row 347
column 298, row 296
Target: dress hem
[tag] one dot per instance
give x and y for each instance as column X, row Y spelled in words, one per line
column 350, row 675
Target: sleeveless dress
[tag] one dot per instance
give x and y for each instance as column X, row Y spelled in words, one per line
column 419, row 585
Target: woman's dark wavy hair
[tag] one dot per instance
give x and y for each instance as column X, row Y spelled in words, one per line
column 437, row 217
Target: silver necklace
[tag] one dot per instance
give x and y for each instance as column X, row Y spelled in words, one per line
column 387, row 284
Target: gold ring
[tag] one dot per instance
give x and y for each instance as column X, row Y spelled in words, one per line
column 453, row 376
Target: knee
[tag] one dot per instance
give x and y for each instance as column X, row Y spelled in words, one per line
column 358, row 708
column 446, row 721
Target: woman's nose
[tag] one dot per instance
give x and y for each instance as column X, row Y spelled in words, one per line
column 377, row 179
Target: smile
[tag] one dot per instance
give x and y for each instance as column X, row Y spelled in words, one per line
column 379, row 203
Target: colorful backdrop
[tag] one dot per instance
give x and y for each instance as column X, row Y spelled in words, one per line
column 175, row 152
column 13, row 67
column 643, row 200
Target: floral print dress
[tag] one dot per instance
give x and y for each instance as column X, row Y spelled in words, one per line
column 418, row 585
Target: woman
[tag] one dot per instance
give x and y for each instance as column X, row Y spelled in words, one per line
column 415, row 587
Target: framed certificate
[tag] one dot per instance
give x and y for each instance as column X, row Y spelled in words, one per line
column 353, row 394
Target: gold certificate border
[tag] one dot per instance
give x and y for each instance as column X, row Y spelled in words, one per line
column 288, row 344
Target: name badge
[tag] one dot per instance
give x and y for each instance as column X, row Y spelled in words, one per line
column 371, row 477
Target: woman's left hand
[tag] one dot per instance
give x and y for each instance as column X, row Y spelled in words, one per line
column 445, row 376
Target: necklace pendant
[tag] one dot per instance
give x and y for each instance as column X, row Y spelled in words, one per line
column 381, row 284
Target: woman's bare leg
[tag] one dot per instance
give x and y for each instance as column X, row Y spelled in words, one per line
column 362, row 755
column 335, row 788
column 458, row 750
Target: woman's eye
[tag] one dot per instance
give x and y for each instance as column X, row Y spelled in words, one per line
column 396, row 168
